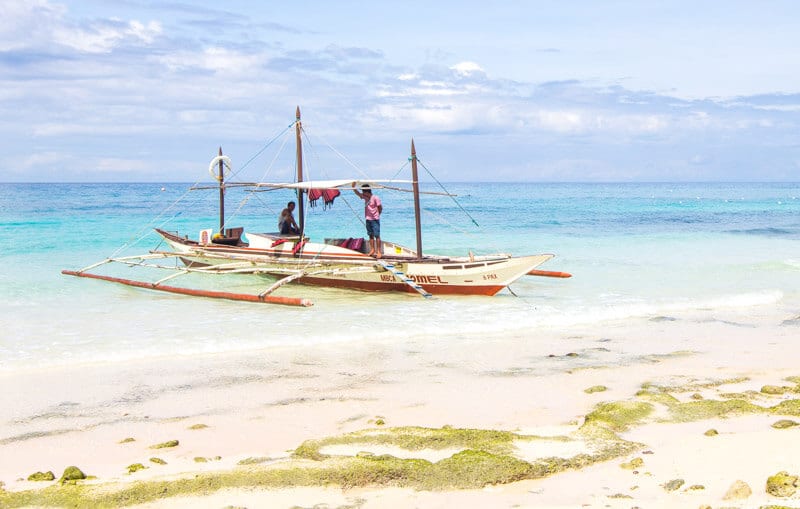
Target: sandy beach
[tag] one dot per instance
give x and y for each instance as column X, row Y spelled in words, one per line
column 575, row 283
column 248, row 413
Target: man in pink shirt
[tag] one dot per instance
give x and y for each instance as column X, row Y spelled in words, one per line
column 372, row 214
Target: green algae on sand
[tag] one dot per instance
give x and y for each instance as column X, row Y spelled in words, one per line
column 784, row 424
column 485, row 457
column 471, row 468
column 253, row 461
column 709, row 409
column 135, row 467
column 414, row 438
column 632, row 464
column 479, row 448
column 482, row 457
column 71, row 473
column 775, row 389
column 787, row 407
column 595, row 388
column 673, row 484
column 732, row 403
column 619, row 415
column 782, row 484
column 42, row 476
column 165, row 445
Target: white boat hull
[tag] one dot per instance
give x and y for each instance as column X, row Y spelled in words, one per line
column 338, row 267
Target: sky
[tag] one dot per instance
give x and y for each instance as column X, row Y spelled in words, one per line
column 550, row 91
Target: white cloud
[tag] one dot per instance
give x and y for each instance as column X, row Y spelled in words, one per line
column 115, row 165
column 699, row 119
column 700, row 159
column 421, row 92
column 43, row 159
column 431, row 117
column 173, row 83
column 145, row 33
column 26, row 23
column 467, row 68
column 105, row 37
column 38, row 24
column 91, row 126
column 560, row 121
column 214, row 59
column 789, row 108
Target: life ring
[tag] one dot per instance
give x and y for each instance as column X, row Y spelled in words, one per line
column 212, row 167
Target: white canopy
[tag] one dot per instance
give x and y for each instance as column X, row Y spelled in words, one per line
column 331, row 184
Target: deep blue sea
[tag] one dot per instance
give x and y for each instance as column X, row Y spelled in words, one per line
column 636, row 251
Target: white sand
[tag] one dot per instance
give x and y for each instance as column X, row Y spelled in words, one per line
column 265, row 404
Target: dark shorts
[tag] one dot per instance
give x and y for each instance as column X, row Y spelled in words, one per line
column 286, row 228
column 374, row 228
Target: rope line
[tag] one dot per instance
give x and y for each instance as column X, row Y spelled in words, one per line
column 169, row 213
column 346, row 159
column 137, row 236
column 400, row 169
column 265, row 147
column 359, row 216
column 446, row 191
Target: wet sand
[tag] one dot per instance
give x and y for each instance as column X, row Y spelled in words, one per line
column 224, row 410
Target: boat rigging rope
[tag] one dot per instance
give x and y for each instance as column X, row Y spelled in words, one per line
column 246, row 199
column 137, row 236
column 445, row 190
column 265, row 147
column 312, row 148
column 400, row 169
column 275, row 158
column 348, row 161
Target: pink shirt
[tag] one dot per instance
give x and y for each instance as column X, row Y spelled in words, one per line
column 371, row 208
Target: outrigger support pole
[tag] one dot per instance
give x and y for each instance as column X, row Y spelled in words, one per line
column 548, row 273
column 268, row 299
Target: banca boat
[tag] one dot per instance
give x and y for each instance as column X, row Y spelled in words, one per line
column 336, row 263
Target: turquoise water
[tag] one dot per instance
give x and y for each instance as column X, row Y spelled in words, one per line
column 637, row 251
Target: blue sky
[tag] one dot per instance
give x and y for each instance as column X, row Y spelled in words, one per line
column 134, row 90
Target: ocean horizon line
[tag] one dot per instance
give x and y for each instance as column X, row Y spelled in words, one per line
column 456, row 182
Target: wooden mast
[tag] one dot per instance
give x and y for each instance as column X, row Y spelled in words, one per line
column 221, row 180
column 415, row 185
column 300, row 211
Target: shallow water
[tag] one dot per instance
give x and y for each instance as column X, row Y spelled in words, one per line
column 637, row 252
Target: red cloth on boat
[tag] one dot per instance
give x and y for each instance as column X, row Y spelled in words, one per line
column 313, row 196
column 328, row 195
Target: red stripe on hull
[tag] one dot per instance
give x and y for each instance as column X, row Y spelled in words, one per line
column 485, row 290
